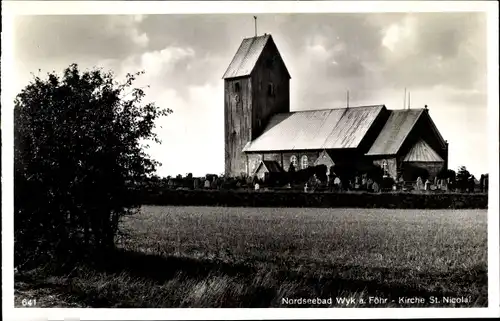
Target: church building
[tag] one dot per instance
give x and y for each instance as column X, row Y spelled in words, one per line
column 262, row 134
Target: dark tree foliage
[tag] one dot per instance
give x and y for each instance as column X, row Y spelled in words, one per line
column 376, row 173
column 79, row 161
column 345, row 172
column 304, row 175
column 412, row 173
column 462, row 178
column 447, row 173
column 321, row 172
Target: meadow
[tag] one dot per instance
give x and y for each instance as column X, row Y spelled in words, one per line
column 264, row 257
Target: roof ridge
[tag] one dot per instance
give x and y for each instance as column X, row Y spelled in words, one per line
column 406, row 109
column 262, row 36
column 336, row 108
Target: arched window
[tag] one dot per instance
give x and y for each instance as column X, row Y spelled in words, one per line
column 304, row 162
column 293, row 160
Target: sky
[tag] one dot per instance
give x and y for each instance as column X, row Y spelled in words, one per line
column 439, row 57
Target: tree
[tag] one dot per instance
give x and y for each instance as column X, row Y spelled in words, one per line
column 78, row 159
column 462, row 178
column 320, row 171
column 447, row 173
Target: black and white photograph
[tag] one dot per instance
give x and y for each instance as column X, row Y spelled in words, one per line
column 253, row 158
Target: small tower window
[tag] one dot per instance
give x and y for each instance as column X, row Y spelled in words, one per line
column 237, row 87
column 270, row 89
column 304, row 162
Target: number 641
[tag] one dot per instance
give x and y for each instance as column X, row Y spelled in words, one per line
column 28, row 303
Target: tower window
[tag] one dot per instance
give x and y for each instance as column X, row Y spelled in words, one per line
column 293, row 160
column 270, row 89
column 237, row 87
column 304, row 162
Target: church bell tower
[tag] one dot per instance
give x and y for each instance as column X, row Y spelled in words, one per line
column 256, row 86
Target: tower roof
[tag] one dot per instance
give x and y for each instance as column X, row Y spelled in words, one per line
column 247, row 56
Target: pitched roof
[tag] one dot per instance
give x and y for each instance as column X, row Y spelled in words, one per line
column 246, row 57
column 270, row 166
column 318, row 129
column 422, row 152
column 324, row 159
column 395, row 131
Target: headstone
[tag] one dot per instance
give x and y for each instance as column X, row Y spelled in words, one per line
column 419, row 184
column 306, row 188
column 444, row 185
column 257, row 186
column 369, row 184
column 427, row 185
column 376, row 187
column 196, row 183
column 207, row 184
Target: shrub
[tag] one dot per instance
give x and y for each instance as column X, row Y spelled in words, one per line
column 321, row 199
column 78, row 161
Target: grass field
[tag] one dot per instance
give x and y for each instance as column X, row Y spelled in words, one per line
column 262, row 257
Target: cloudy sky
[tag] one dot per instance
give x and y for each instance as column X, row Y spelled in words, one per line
column 439, row 57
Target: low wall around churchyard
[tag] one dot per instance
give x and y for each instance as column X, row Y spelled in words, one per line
column 320, row 200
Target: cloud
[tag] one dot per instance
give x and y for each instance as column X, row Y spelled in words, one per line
column 433, row 49
column 53, row 42
column 440, row 57
column 196, row 126
column 194, row 134
column 127, row 26
column 163, row 61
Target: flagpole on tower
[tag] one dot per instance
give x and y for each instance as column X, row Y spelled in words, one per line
column 404, row 103
column 255, row 23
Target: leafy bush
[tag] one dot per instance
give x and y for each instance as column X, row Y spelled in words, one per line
column 79, row 164
column 446, row 173
column 320, row 200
